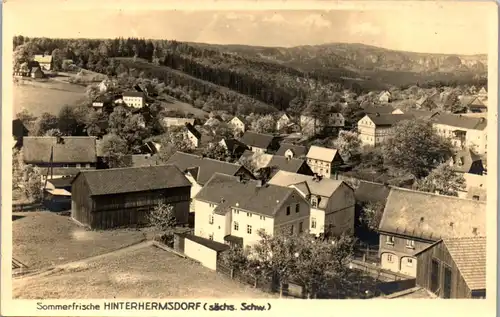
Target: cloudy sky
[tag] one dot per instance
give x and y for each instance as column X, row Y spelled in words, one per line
column 443, row 27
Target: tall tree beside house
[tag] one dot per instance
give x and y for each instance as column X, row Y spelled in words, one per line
column 371, row 215
column 54, row 132
column 162, row 217
column 442, row 180
column 31, row 185
column 114, row 149
column 349, row 145
column 352, row 113
column 17, row 168
column 130, row 127
column 415, row 148
column 264, row 124
column 67, row 122
column 234, row 258
column 172, row 141
column 44, row 123
column 217, row 152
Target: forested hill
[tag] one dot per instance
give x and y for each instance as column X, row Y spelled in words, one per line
column 266, row 78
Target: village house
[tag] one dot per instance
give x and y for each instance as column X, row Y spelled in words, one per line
column 426, row 102
column 289, row 164
column 311, row 126
column 192, row 135
column 483, row 94
column 177, row 122
column 332, row 201
column 292, row 150
column 232, row 210
column 199, row 169
column 414, row 220
column 374, row 129
column 212, row 121
column 323, row 161
column 134, row 99
column 463, row 131
column 45, row 61
column 454, row 268
column 384, row 97
column 473, row 104
column 283, row 121
column 234, row 147
column 259, row 142
column 60, row 156
column 123, row 197
column 238, row 125
column 29, row 69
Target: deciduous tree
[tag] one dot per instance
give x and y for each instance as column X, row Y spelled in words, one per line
column 113, row 149
column 44, row 123
column 163, row 217
column 442, row 180
column 348, row 144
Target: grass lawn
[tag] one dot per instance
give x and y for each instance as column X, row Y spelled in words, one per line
column 43, row 239
column 45, row 96
column 148, row 272
column 170, row 103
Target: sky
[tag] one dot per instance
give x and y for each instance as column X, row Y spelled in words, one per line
column 448, row 27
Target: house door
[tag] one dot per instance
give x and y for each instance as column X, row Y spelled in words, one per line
column 447, row 282
column 434, row 276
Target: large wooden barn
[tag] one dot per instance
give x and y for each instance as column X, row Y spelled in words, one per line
column 105, row 199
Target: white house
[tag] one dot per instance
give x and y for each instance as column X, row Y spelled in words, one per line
column 323, row 161
column 384, row 97
column 463, row 131
column 233, row 210
column 332, row 201
column 193, row 135
column 237, row 124
column 134, row 99
column 283, row 121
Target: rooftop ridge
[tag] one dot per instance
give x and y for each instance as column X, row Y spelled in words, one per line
column 126, row 168
column 434, row 194
column 207, row 158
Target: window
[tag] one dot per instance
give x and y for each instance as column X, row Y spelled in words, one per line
column 78, row 165
column 389, row 240
column 409, row 262
column 211, row 236
column 249, row 229
column 313, row 223
column 314, row 201
column 87, row 165
column 297, row 208
column 211, row 205
column 262, row 218
column 291, row 229
column 300, row 227
column 249, row 214
column 211, row 219
column 390, row 258
column 434, row 275
column 236, row 226
column 288, row 211
column 410, row 244
column 447, row 282
column 475, row 197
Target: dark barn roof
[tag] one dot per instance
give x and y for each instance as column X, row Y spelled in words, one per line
column 193, row 130
column 368, row 192
column 258, row 140
column 206, row 167
column 71, row 149
column 283, row 163
column 133, row 179
column 388, row 119
column 298, row 150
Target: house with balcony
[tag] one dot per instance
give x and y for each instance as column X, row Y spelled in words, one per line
column 233, row 210
column 413, row 221
column 332, row 201
column 463, row 131
column 323, row 161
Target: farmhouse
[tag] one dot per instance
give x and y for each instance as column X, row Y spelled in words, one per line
column 121, row 197
column 199, row 169
column 414, row 220
column 289, row 164
column 292, row 150
column 464, row 131
column 374, row 129
column 45, row 61
column 234, row 147
column 230, row 209
column 454, row 267
column 332, row 201
column 134, row 99
column 60, row 156
column 192, row 135
column 323, row 161
column 258, row 142
column 238, row 125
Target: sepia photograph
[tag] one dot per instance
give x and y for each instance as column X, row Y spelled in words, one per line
column 337, row 153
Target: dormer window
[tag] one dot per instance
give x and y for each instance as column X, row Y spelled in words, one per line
column 314, row 201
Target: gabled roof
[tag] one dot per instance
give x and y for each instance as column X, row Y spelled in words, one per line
column 133, row 179
column 469, row 255
column 321, row 153
column 236, row 118
column 73, row 149
column 460, row 121
column 378, row 109
column 133, row 94
column 426, row 114
column 298, row 150
column 283, row 163
column 212, row 121
column 472, row 101
column 381, row 120
column 245, row 194
column 193, row 130
column 259, row 140
column 325, row 187
column 431, row 216
column 234, row 145
column 369, row 192
column 207, row 167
